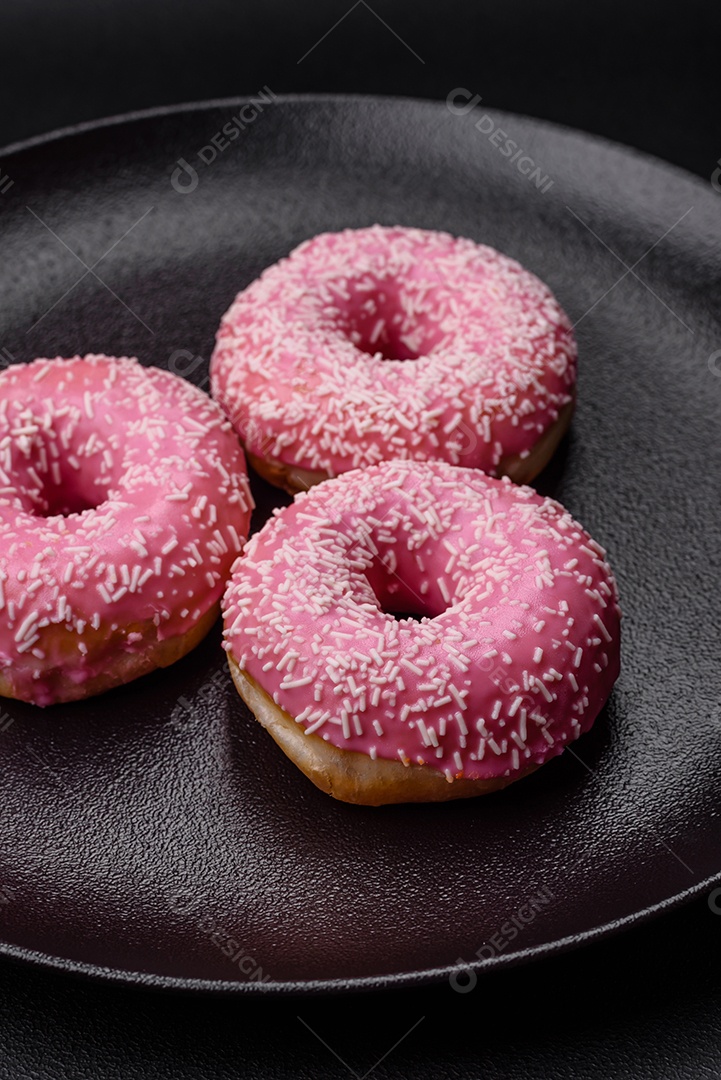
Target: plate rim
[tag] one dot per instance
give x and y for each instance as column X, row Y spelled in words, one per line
column 403, row 980
column 392, row 980
column 159, row 111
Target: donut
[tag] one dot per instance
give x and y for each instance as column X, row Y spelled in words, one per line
column 124, row 501
column 418, row 632
column 392, row 343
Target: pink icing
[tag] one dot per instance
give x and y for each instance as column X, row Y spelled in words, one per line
column 123, row 498
column 518, row 647
column 482, row 358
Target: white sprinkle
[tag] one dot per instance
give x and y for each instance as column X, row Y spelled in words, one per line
column 515, row 706
column 458, row 696
column 444, row 590
column 237, row 543
column 544, row 690
column 26, row 626
column 411, row 666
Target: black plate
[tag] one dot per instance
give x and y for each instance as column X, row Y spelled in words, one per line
column 150, row 833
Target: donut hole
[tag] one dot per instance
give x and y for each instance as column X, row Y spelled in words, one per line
column 401, row 616
column 403, row 601
column 377, row 322
column 384, row 345
column 64, row 503
column 59, row 464
column 76, row 493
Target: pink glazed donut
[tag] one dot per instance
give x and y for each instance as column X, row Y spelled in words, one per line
column 382, row 343
column 123, row 502
column 515, row 653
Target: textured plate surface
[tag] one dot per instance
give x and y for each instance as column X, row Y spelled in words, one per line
column 156, row 833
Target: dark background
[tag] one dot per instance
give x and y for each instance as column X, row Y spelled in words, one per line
column 645, row 74
column 644, row 1004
